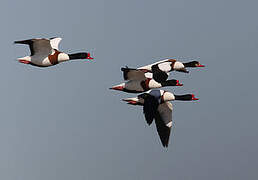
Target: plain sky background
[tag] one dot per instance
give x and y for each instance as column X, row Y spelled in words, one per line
column 63, row 123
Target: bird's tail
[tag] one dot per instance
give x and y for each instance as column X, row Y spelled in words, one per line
column 132, row 101
column 25, row 60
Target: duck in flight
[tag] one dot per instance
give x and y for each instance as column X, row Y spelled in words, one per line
column 139, row 86
column 138, row 82
column 45, row 52
column 159, row 71
column 156, row 106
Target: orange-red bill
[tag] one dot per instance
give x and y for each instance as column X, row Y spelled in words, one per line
column 178, row 83
column 194, row 98
column 120, row 88
column 200, row 65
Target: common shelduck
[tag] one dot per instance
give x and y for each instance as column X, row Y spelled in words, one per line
column 139, row 86
column 160, row 70
column 45, row 52
column 156, row 106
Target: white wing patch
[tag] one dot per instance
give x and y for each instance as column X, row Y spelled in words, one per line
column 169, row 124
column 55, row 42
column 149, row 66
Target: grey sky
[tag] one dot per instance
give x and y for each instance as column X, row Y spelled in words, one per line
column 62, row 122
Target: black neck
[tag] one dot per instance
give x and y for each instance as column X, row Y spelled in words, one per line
column 190, row 64
column 78, row 56
column 171, row 82
column 186, row 97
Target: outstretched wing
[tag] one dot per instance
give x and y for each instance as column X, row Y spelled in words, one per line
column 150, row 65
column 28, row 42
column 37, row 46
column 133, row 74
column 159, row 75
column 163, row 121
column 54, row 42
column 150, row 107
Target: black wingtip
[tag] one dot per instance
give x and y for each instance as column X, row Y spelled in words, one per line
column 165, row 145
column 23, row 42
column 17, row 42
column 126, row 68
column 125, row 72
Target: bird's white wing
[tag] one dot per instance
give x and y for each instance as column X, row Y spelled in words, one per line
column 54, row 42
column 163, row 121
column 133, row 74
column 148, row 67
